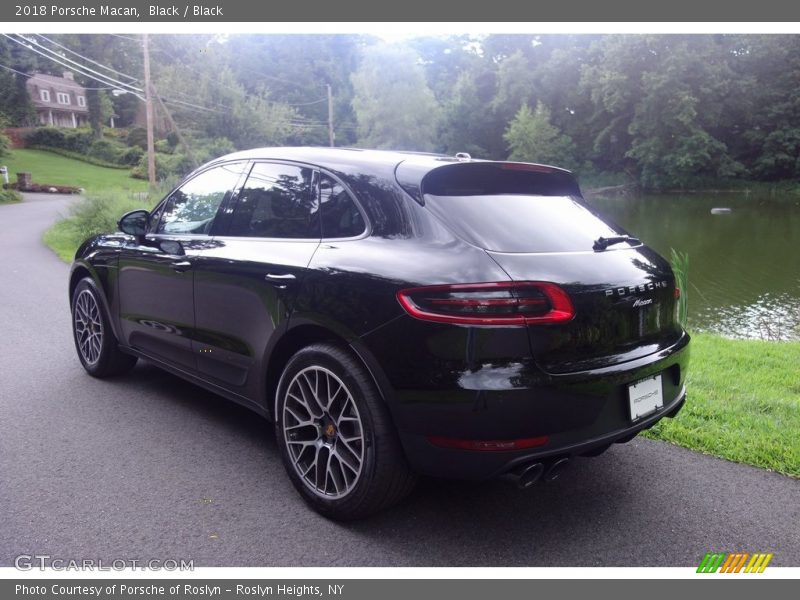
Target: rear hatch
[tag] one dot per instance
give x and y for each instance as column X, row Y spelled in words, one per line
column 533, row 222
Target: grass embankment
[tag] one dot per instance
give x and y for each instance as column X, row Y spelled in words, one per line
column 743, row 403
column 110, row 193
column 48, row 167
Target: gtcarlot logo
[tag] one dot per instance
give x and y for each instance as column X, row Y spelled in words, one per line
column 28, row 562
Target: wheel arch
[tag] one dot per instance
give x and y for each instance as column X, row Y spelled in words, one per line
column 305, row 334
column 82, row 270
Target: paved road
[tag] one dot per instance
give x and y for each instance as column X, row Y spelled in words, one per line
column 148, row 466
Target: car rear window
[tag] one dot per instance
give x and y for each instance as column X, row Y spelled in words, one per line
column 511, row 207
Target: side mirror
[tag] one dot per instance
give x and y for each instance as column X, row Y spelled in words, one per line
column 134, row 222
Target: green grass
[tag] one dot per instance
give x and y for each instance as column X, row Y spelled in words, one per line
column 97, row 213
column 743, row 403
column 9, row 196
column 48, row 167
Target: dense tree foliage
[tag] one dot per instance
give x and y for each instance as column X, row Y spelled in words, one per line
column 532, row 138
column 394, row 106
column 665, row 110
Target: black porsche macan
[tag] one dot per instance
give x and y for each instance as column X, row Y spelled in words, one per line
column 393, row 314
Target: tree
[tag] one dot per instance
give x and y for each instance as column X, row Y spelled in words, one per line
column 532, row 138
column 15, row 104
column 393, row 104
column 219, row 107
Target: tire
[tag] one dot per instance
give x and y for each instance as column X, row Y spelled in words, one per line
column 95, row 342
column 351, row 434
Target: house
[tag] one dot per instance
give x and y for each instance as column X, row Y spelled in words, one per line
column 59, row 101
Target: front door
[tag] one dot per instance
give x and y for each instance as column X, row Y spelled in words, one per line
column 156, row 273
column 246, row 283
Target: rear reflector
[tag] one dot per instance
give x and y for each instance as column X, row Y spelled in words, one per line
column 488, row 445
column 500, row 303
column 677, row 293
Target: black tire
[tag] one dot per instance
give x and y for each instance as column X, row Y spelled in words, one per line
column 102, row 358
column 384, row 477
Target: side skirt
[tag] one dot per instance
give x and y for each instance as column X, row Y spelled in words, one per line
column 197, row 380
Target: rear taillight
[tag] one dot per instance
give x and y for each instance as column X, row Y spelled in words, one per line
column 501, row 303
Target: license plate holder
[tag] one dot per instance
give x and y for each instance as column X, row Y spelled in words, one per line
column 645, row 397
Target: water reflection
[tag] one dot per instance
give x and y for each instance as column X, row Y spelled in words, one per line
column 744, row 267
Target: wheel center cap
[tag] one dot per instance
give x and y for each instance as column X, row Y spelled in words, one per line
column 329, row 430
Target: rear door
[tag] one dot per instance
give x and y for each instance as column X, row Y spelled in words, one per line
column 532, row 221
column 245, row 283
column 156, row 273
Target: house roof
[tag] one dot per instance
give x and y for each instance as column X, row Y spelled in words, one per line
column 54, row 85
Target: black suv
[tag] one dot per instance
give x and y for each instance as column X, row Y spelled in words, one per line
column 392, row 314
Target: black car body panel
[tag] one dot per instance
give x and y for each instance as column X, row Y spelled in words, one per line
column 221, row 309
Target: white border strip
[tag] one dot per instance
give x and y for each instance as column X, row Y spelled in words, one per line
column 333, row 573
column 399, row 30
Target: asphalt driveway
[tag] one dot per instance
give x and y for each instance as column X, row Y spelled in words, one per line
column 148, row 466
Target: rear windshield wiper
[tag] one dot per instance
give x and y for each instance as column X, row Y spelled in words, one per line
column 602, row 243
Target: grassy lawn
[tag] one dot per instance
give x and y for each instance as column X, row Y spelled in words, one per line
column 743, row 403
column 48, row 167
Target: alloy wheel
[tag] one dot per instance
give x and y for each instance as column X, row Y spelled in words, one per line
column 88, row 327
column 323, row 432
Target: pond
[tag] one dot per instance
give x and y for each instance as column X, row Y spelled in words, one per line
column 744, row 267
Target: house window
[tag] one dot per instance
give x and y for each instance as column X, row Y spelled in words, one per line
column 62, row 98
column 81, row 101
column 44, row 95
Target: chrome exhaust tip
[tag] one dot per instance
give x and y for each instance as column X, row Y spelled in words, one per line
column 555, row 469
column 529, row 474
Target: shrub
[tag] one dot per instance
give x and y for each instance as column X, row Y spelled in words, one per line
column 7, row 196
column 131, row 156
column 5, row 144
column 137, row 136
column 167, row 166
column 164, row 147
column 107, row 150
column 74, row 140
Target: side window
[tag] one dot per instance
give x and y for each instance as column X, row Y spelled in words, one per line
column 277, row 202
column 340, row 215
column 192, row 207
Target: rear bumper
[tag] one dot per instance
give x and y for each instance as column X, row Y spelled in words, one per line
column 578, row 412
column 463, row 464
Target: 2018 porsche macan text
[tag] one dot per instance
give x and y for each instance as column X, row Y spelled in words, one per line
column 392, row 314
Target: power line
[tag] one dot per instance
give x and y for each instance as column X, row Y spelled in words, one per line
column 115, row 84
column 79, row 71
column 74, row 87
column 84, row 67
column 94, row 62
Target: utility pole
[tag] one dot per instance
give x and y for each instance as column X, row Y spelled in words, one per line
column 330, row 115
column 148, row 99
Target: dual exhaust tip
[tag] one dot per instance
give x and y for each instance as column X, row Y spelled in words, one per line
column 528, row 474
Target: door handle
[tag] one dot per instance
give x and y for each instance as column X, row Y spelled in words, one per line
column 181, row 265
column 280, row 281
